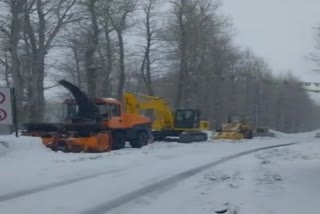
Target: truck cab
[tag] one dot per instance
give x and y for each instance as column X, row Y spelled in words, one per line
column 107, row 109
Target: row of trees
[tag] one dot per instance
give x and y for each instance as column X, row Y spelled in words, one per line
column 181, row 49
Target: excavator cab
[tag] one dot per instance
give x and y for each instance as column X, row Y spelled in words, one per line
column 187, row 118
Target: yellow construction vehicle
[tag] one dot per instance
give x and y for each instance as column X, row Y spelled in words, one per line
column 184, row 124
column 235, row 129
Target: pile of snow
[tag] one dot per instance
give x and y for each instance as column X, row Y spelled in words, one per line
column 9, row 143
column 3, row 148
column 279, row 134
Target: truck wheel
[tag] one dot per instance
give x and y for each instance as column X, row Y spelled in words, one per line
column 141, row 140
column 118, row 140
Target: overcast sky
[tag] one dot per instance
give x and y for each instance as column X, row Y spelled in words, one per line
column 281, row 31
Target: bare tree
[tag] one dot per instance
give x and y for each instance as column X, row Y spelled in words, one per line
column 93, row 37
column 75, row 44
column 5, row 65
column 205, row 69
column 106, row 52
column 191, row 32
column 91, row 48
column 11, row 27
column 150, row 31
column 118, row 14
column 180, row 13
column 43, row 20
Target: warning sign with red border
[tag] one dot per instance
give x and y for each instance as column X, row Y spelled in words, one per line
column 6, row 106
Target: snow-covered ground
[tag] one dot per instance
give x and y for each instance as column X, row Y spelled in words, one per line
column 34, row 179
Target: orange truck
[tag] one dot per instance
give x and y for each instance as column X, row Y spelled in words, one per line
column 92, row 125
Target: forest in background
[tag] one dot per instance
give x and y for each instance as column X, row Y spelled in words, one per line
column 182, row 50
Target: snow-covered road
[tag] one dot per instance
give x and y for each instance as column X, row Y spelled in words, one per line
column 35, row 180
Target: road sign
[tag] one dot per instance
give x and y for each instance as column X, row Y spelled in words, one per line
column 3, row 114
column 6, row 106
column 2, row 97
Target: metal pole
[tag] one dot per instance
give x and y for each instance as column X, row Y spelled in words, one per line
column 257, row 110
column 14, row 112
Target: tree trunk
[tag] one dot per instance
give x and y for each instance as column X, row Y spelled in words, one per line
column 36, row 102
column 147, row 60
column 77, row 62
column 90, row 66
column 183, row 57
column 37, row 107
column 122, row 72
column 6, row 70
column 18, row 83
column 107, row 83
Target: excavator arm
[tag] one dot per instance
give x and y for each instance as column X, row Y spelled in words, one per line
column 161, row 109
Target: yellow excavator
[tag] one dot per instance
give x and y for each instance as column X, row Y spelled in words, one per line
column 183, row 125
column 235, row 129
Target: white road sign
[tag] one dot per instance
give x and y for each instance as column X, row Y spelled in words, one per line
column 5, row 106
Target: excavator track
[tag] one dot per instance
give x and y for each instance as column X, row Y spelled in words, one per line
column 189, row 137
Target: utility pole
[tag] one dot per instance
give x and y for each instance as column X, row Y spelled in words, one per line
column 257, row 105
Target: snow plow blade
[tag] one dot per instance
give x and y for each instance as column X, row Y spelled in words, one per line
column 228, row 136
column 71, row 137
column 72, row 142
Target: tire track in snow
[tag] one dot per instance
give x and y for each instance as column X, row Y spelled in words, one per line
column 21, row 193
column 118, row 202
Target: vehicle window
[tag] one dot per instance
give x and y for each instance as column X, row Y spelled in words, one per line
column 179, row 116
column 102, row 109
column 71, row 110
column 188, row 114
column 115, row 110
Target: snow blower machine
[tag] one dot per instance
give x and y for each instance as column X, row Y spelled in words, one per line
column 235, row 129
column 92, row 125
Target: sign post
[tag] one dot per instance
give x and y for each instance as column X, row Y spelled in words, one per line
column 7, row 108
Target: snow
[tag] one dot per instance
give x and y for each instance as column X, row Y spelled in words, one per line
column 269, row 181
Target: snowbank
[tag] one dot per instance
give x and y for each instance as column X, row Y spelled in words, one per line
column 279, row 134
column 3, row 148
column 9, row 143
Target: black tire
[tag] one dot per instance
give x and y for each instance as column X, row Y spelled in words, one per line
column 141, row 140
column 118, row 140
column 250, row 134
